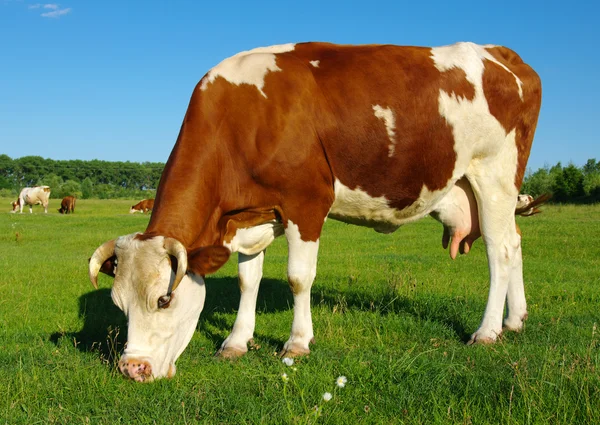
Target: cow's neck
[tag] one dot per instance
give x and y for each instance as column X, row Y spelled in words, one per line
column 187, row 204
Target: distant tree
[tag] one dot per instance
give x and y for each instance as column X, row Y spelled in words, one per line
column 591, row 167
column 55, row 182
column 70, row 188
column 5, row 183
column 87, row 188
column 538, row 183
column 568, row 185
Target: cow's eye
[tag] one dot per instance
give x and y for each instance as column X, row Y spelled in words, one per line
column 164, row 301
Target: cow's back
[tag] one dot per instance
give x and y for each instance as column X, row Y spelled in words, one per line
column 377, row 132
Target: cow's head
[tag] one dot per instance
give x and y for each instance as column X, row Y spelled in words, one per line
column 15, row 205
column 160, row 288
column 133, row 210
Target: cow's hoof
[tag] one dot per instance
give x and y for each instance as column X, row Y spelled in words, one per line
column 481, row 339
column 294, row 351
column 230, row 353
column 514, row 324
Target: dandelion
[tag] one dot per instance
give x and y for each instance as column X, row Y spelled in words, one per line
column 288, row 361
column 341, row 381
column 284, row 377
column 327, row 396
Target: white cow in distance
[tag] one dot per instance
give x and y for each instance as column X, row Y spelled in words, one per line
column 32, row 196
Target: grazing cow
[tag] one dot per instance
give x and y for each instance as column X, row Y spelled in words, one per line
column 527, row 206
column 276, row 139
column 142, row 206
column 32, row 196
column 67, row 205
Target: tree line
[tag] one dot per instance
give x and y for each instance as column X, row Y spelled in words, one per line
column 568, row 184
column 82, row 179
column 117, row 179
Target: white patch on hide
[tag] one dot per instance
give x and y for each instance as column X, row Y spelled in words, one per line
column 358, row 207
column 387, row 116
column 252, row 240
column 477, row 133
column 468, row 57
column 249, row 67
column 315, row 63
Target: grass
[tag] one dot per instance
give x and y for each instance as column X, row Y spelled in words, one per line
column 391, row 313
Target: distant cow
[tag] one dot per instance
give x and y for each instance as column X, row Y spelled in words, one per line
column 67, row 205
column 32, row 196
column 142, row 206
column 527, row 206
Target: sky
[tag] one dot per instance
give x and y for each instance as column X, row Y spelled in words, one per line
column 111, row 80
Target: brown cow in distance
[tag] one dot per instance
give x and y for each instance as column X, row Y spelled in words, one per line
column 142, row 207
column 67, row 205
column 277, row 139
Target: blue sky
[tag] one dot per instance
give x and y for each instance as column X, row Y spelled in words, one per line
column 111, row 80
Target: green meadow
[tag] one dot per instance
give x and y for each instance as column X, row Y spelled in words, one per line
column 391, row 313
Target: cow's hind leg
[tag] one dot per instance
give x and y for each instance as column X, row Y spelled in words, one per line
column 515, row 296
column 496, row 197
column 250, row 269
column 302, row 269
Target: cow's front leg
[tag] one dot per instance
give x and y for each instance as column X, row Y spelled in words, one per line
column 302, row 269
column 250, row 273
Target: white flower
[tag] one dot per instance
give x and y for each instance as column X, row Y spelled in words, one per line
column 284, row 377
column 341, row 381
column 327, row 396
column 288, row 361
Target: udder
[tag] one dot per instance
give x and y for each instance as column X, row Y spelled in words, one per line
column 457, row 212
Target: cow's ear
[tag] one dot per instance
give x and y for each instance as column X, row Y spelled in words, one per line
column 109, row 266
column 207, row 260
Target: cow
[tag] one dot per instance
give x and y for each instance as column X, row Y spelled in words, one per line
column 277, row 139
column 527, row 206
column 67, row 205
column 143, row 206
column 32, row 196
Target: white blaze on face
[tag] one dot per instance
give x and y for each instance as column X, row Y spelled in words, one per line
column 477, row 133
column 315, row 63
column 157, row 336
column 248, row 67
column 387, row 116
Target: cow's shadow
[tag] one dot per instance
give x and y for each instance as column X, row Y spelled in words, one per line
column 274, row 296
column 105, row 326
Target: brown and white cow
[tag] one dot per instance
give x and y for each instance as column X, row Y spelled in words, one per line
column 143, row 206
column 277, row 139
column 527, row 206
column 32, row 196
column 67, row 205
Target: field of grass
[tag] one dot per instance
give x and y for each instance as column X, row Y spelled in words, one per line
column 391, row 313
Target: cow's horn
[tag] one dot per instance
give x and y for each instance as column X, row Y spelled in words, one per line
column 177, row 250
column 102, row 253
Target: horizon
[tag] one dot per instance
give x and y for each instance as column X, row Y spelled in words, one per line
column 112, row 81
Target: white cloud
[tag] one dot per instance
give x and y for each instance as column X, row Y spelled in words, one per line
column 56, row 13
column 51, row 6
